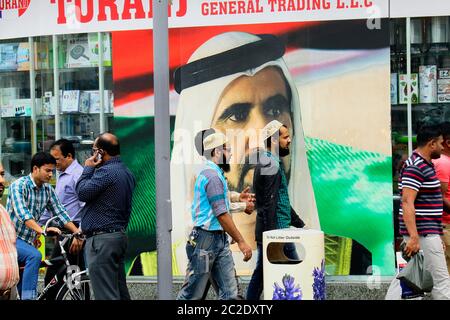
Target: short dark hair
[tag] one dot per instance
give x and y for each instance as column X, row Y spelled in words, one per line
column 200, row 137
column 111, row 147
column 428, row 132
column 445, row 129
column 42, row 158
column 65, row 146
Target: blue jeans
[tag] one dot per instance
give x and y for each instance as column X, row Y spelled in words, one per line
column 209, row 256
column 255, row 287
column 31, row 257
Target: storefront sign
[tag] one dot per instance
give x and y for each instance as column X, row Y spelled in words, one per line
column 19, row 18
column 419, row 8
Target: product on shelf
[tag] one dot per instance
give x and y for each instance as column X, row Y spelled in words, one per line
column 428, row 84
column 94, row 49
column 8, row 56
column 394, row 88
column 83, row 51
column 443, row 98
column 94, row 106
column 403, row 94
column 443, row 82
column 444, row 73
column 75, row 101
column 48, row 105
column 443, row 86
column 77, row 53
column 19, row 108
column 7, row 94
column 41, row 56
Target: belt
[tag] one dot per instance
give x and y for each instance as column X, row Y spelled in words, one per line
column 210, row 231
column 5, row 294
column 89, row 234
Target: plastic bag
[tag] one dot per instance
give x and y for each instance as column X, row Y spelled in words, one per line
column 395, row 291
column 415, row 275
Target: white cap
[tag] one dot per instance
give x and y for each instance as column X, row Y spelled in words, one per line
column 214, row 140
column 270, row 129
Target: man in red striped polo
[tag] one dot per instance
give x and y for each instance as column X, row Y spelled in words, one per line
column 9, row 269
column 421, row 208
column 442, row 166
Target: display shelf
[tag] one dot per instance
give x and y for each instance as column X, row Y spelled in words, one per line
column 420, row 106
column 14, row 73
column 74, row 69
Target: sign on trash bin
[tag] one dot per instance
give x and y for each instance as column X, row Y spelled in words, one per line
column 294, row 264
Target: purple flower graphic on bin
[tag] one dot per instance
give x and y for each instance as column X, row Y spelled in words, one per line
column 290, row 290
column 319, row 282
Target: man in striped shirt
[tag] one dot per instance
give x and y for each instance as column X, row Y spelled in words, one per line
column 28, row 198
column 421, row 208
column 9, row 270
column 208, row 247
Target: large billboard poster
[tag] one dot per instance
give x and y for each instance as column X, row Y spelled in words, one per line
column 328, row 81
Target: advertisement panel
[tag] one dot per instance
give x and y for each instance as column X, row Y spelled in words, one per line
column 328, row 81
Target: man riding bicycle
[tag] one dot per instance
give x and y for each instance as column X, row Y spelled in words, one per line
column 28, row 198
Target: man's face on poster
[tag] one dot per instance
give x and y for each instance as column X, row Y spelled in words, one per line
column 246, row 105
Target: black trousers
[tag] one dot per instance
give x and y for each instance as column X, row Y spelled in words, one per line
column 105, row 255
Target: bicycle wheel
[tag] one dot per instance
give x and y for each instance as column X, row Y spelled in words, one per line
column 82, row 291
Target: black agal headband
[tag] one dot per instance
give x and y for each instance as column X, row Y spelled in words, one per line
column 232, row 61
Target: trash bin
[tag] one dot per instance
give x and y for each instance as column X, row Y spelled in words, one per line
column 294, row 264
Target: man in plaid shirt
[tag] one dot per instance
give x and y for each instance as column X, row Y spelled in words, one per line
column 9, row 269
column 28, row 198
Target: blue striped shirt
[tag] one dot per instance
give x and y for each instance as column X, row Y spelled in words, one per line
column 26, row 201
column 210, row 198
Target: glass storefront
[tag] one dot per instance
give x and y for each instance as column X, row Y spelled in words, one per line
column 73, row 69
column 427, row 53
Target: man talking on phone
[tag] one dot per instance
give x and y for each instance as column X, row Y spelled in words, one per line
column 106, row 186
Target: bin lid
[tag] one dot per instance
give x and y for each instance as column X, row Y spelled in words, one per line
column 292, row 232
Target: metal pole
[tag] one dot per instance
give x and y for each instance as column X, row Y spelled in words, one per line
column 101, row 82
column 408, row 83
column 56, row 88
column 162, row 148
column 33, row 97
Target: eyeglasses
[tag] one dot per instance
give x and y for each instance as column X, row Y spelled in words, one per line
column 94, row 150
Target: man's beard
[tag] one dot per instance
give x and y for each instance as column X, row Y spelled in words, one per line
column 225, row 166
column 435, row 155
column 283, row 152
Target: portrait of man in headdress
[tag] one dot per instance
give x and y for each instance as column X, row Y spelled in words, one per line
column 237, row 82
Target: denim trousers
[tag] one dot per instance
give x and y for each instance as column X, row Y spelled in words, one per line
column 209, row 255
column 255, row 286
column 31, row 258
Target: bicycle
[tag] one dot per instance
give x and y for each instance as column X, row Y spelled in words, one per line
column 75, row 283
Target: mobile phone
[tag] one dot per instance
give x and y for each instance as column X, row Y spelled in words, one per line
column 99, row 155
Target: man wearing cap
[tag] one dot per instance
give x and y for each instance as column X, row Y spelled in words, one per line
column 243, row 201
column 274, row 210
column 237, row 82
column 208, row 248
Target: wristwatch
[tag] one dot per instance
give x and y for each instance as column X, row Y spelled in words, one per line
column 78, row 235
